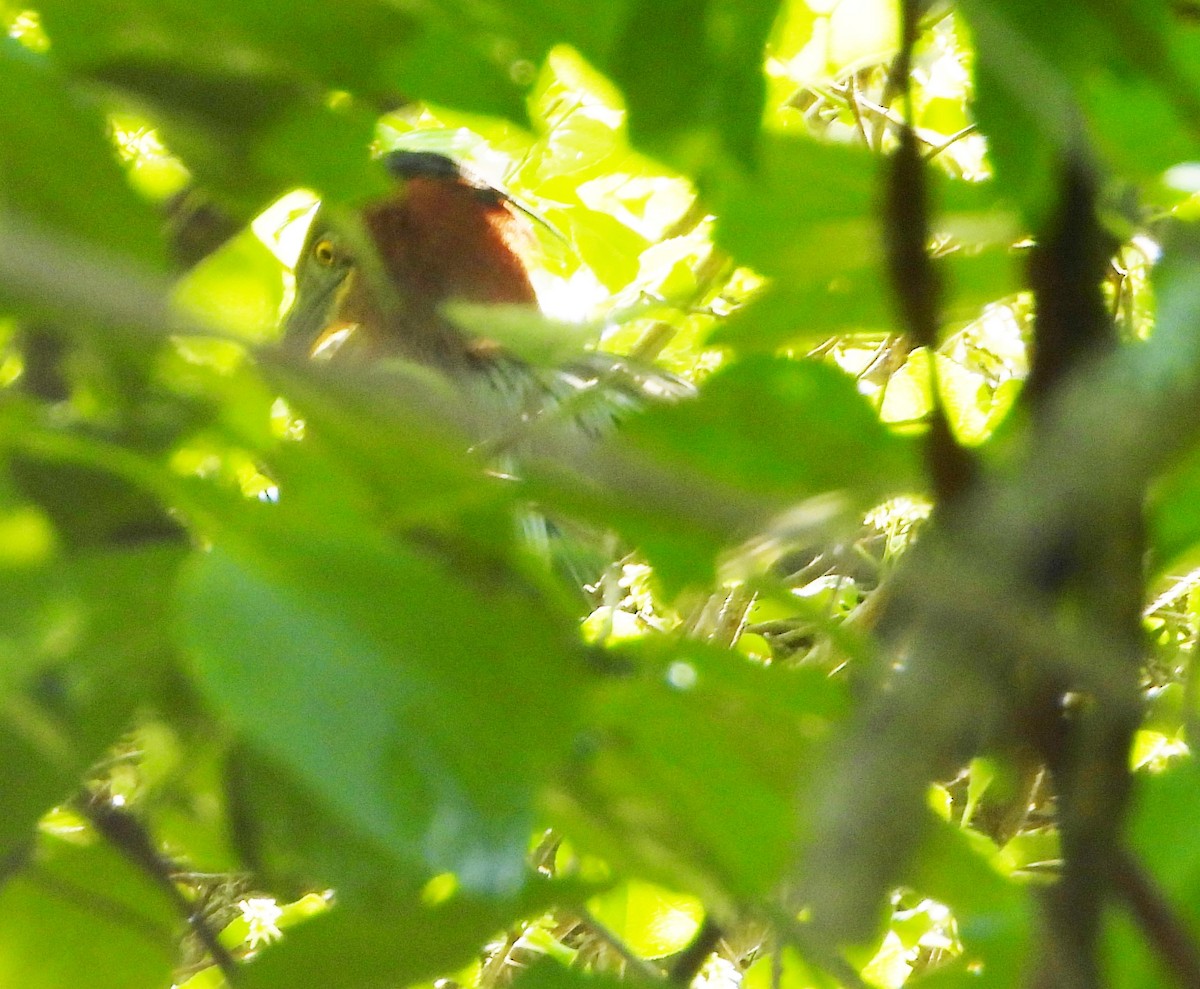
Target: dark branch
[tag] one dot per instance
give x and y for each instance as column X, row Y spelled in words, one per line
column 125, row 833
column 687, row 966
column 1159, row 923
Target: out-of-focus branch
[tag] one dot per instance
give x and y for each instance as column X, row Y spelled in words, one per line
column 125, row 833
column 1158, row 921
column 197, row 226
column 968, row 619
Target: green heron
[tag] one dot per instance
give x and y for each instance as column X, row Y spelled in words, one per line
column 373, row 288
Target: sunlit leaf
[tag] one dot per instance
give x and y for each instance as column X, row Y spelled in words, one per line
column 653, row 921
column 78, row 916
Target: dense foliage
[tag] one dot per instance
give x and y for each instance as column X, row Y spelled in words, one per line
column 882, row 669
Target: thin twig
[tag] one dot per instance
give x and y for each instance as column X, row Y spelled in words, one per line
column 857, row 112
column 951, row 140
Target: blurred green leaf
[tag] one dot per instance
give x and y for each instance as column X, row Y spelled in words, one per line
column 58, row 168
column 1128, row 960
column 548, row 974
column 993, row 914
column 1160, row 835
column 84, row 642
column 102, row 488
column 1174, row 512
column 338, row 46
column 226, row 74
column 295, row 841
column 793, row 973
column 653, row 922
column 802, row 315
column 238, row 287
column 390, row 443
column 83, row 916
column 459, row 686
column 1162, row 839
column 1036, row 65
column 1031, row 849
column 1137, row 130
column 685, row 482
column 606, row 245
column 690, row 772
column 750, row 428
column 712, row 53
column 807, row 213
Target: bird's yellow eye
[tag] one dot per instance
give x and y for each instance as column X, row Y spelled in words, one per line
column 324, row 252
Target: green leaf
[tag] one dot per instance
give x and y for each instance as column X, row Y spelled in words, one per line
column 83, row 644
column 1030, row 850
column 786, row 971
column 83, row 916
column 690, row 772
column 341, row 46
column 378, row 443
column 804, row 314
column 294, row 841
column 58, row 169
column 993, row 914
column 1162, row 840
column 245, row 102
column 607, row 246
column 419, row 698
column 1136, row 128
column 1160, row 836
column 179, row 55
column 238, row 287
column 684, row 482
column 653, row 922
column 752, row 427
column 1046, row 72
column 548, row 974
column 1128, row 959
column 1025, row 140
column 806, row 214
column 253, row 138
column 1174, row 513
column 712, row 52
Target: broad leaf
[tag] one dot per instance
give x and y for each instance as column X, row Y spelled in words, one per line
column 420, row 699
column 692, row 770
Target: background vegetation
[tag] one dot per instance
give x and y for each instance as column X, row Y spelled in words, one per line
column 275, row 658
